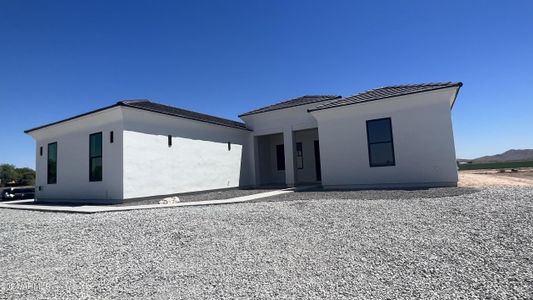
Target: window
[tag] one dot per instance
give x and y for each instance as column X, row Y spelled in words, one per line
column 41, row 151
column 229, row 146
column 380, row 144
column 169, row 140
column 111, row 137
column 280, row 154
column 52, row 164
column 299, row 156
column 95, row 157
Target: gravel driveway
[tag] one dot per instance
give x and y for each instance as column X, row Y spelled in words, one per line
column 475, row 244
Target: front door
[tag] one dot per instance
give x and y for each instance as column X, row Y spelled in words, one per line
column 317, row 162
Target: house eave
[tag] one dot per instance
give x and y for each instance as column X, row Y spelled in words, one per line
column 71, row 118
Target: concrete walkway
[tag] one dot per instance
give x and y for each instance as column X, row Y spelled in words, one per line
column 90, row 209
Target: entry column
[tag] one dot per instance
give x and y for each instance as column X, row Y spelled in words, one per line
column 289, row 156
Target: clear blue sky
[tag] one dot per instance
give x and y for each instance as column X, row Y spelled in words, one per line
column 61, row 58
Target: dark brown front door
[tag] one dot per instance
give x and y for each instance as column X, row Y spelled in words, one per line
column 317, row 162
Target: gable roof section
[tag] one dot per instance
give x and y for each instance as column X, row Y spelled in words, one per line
column 387, row 92
column 303, row 100
column 157, row 108
column 178, row 112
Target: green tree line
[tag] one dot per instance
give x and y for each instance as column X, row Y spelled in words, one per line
column 11, row 175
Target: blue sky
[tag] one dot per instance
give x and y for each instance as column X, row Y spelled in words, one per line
column 61, row 58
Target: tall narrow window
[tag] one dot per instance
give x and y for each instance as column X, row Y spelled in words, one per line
column 280, row 155
column 299, row 156
column 229, row 146
column 95, row 157
column 169, row 140
column 380, row 144
column 41, row 151
column 111, row 137
column 52, row 164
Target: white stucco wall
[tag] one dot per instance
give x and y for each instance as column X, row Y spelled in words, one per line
column 72, row 139
column 422, row 134
column 197, row 160
column 276, row 121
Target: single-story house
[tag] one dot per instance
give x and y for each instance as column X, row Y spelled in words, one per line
column 393, row 136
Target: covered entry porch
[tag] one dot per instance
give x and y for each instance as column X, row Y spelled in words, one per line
column 288, row 158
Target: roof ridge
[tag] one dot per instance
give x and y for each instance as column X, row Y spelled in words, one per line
column 428, row 84
column 180, row 113
column 129, row 101
column 304, row 96
column 387, row 92
column 416, row 84
column 147, row 105
column 297, row 102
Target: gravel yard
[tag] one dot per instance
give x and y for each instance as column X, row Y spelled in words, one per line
column 437, row 243
column 319, row 193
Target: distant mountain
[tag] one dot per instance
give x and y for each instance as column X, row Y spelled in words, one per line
column 510, row 155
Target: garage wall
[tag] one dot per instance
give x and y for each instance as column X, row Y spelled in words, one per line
column 198, row 159
column 423, row 142
column 72, row 139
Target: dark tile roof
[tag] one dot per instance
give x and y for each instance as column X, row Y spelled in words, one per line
column 178, row 112
column 387, row 92
column 158, row 108
column 293, row 102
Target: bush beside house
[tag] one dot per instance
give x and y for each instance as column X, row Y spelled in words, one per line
column 13, row 176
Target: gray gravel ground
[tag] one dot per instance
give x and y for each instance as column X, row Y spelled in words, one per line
column 319, row 193
column 472, row 245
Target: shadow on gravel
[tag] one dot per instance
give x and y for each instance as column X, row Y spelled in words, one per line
column 72, row 204
column 204, row 195
column 372, row 194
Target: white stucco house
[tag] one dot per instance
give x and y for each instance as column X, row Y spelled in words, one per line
column 394, row 136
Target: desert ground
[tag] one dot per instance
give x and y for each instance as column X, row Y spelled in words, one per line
column 496, row 178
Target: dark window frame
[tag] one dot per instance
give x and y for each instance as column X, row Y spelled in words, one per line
column 41, row 151
column 318, row 169
column 51, row 178
column 280, row 159
column 91, row 157
column 111, row 137
column 391, row 142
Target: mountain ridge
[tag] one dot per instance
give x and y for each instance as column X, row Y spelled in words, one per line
column 507, row 156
